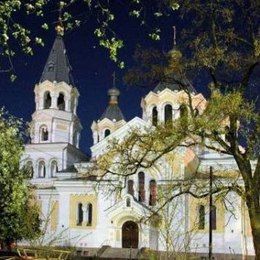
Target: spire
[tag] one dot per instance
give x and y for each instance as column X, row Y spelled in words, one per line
column 59, row 27
column 113, row 112
column 174, row 49
column 174, row 35
column 57, row 67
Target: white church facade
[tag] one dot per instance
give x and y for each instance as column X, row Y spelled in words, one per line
column 80, row 213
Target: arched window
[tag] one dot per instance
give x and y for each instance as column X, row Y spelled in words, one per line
column 41, row 169
column 141, row 191
column 47, row 100
column 61, row 102
column 44, row 134
column 29, row 169
column 107, row 133
column 153, row 193
column 214, row 217
column 54, row 168
column 183, row 110
column 80, row 214
column 196, row 112
column 155, row 116
column 128, row 202
column 228, row 134
column 51, row 66
column 201, row 217
column 89, row 210
column 130, row 187
column 168, row 114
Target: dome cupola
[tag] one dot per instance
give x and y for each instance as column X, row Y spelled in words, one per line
column 113, row 112
column 111, row 119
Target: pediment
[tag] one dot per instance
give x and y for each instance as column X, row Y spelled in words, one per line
column 119, row 134
column 122, row 210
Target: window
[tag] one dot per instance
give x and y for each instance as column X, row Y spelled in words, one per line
column 128, row 202
column 141, row 192
column 61, row 102
column 54, row 168
column 51, row 66
column 44, row 134
column 153, row 193
column 47, row 100
column 196, row 112
column 130, row 187
column 201, row 217
column 80, row 214
column 228, row 134
column 214, row 217
column 107, row 133
column 41, row 169
column 168, row 114
column 89, row 212
column 155, row 116
column 29, row 169
column 183, row 110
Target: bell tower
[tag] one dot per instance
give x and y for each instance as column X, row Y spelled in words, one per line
column 55, row 126
column 56, row 97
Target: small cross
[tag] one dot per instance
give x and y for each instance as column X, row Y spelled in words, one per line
column 174, row 35
column 59, row 26
column 114, row 79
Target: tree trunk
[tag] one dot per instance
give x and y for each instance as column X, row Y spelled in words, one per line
column 254, row 215
column 256, row 239
column 252, row 192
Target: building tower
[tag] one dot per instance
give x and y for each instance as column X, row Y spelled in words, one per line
column 164, row 103
column 55, row 126
column 111, row 119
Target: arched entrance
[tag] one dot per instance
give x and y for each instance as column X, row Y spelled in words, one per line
column 130, row 235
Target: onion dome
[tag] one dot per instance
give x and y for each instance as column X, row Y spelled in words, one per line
column 113, row 112
column 175, row 81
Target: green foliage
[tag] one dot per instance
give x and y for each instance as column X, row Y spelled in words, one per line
column 13, row 33
column 220, row 43
column 149, row 70
column 19, row 214
column 225, row 50
column 155, row 35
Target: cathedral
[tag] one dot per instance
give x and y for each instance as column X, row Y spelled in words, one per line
column 77, row 212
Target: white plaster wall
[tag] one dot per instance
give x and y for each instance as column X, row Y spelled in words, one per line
column 105, row 231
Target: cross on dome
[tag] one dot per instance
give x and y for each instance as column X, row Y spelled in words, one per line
column 113, row 112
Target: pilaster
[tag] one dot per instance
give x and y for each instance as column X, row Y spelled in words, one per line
column 54, row 98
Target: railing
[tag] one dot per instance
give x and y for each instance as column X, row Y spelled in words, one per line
column 42, row 253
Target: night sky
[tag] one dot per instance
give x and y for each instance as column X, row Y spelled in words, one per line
column 92, row 70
